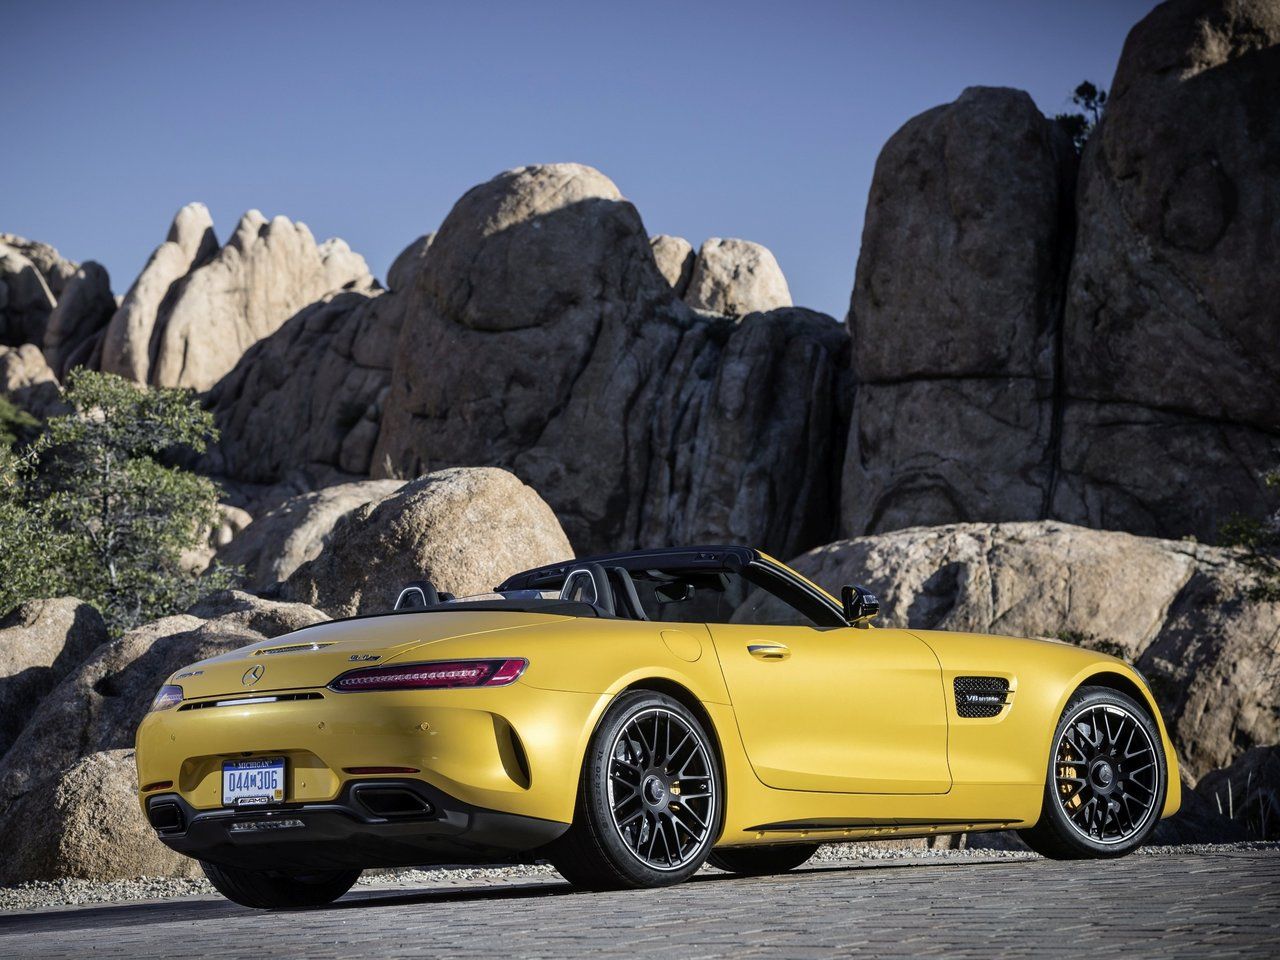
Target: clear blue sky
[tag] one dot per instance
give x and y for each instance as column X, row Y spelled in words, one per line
column 366, row 120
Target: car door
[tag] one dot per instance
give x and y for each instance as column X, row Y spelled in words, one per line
column 837, row 709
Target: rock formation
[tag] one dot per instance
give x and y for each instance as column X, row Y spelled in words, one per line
column 541, row 337
column 953, row 317
column 32, row 278
column 127, row 346
column 41, row 641
column 1141, row 391
column 1176, row 609
column 1171, row 344
column 280, row 541
column 466, row 530
column 736, row 277
column 266, row 272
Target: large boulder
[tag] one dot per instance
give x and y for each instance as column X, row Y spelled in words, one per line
column 25, row 298
column 54, row 269
column 84, row 821
column 271, row 548
column 74, row 331
column 404, row 269
column 26, row 380
column 466, row 530
column 736, row 277
column 99, row 705
column 953, row 317
column 195, row 309
column 41, row 641
column 1171, row 341
column 191, row 243
column 675, row 258
column 1177, row 609
column 541, row 337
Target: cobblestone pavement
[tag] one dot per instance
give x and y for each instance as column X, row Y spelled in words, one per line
column 1220, row 904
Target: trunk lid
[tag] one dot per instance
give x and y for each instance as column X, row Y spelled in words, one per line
column 314, row 656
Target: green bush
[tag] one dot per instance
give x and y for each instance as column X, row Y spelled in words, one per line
column 91, row 508
column 1259, row 545
column 16, row 425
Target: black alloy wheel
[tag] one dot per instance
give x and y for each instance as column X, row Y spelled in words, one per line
column 1107, row 778
column 649, row 803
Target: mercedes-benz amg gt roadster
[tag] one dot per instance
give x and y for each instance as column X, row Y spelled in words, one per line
column 629, row 718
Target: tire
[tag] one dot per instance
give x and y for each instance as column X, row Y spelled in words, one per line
column 648, row 811
column 762, row 861
column 274, row 890
column 1106, row 781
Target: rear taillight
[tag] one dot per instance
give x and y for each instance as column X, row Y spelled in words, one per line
column 170, row 695
column 432, row 676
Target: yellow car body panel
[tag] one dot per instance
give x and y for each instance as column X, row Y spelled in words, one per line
column 837, row 733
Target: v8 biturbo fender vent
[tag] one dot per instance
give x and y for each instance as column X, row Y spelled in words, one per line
column 980, row 696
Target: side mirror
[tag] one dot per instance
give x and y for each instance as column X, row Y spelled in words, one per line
column 417, row 595
column 860, row 604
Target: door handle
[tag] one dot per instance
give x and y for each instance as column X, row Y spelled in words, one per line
column 769, row 651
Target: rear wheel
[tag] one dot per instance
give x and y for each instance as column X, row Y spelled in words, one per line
column 1106, row 782
column 762, row 861
column 275, row 890
column 649, row 800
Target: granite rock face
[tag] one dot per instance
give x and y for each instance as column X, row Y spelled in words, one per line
column 1140, row 388
column 311, row 395
column 1171, row 357
column 465, row 530
column 953, row 317
column 41, row 641
column 1176, row 609
column 541, row 337
column 85, row 822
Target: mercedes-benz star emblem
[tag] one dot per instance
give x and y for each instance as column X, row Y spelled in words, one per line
column 252, row 676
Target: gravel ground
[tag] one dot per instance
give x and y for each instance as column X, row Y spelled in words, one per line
column 70, row 892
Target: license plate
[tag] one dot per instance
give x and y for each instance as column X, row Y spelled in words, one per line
column 253, row 783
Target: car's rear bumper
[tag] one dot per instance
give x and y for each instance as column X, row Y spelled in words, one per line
column 427, row 826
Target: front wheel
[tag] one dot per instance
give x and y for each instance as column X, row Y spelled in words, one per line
column 1106, row 781
column 275, row 890
column 762, row 861
column 649, row 800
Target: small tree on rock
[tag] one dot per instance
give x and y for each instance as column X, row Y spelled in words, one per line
column 1092, row 101
column 1259, row 543
column 106, row 517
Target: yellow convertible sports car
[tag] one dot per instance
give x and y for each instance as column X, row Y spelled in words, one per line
column 630, row 717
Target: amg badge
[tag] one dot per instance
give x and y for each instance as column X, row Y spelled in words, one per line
column 365, row 657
